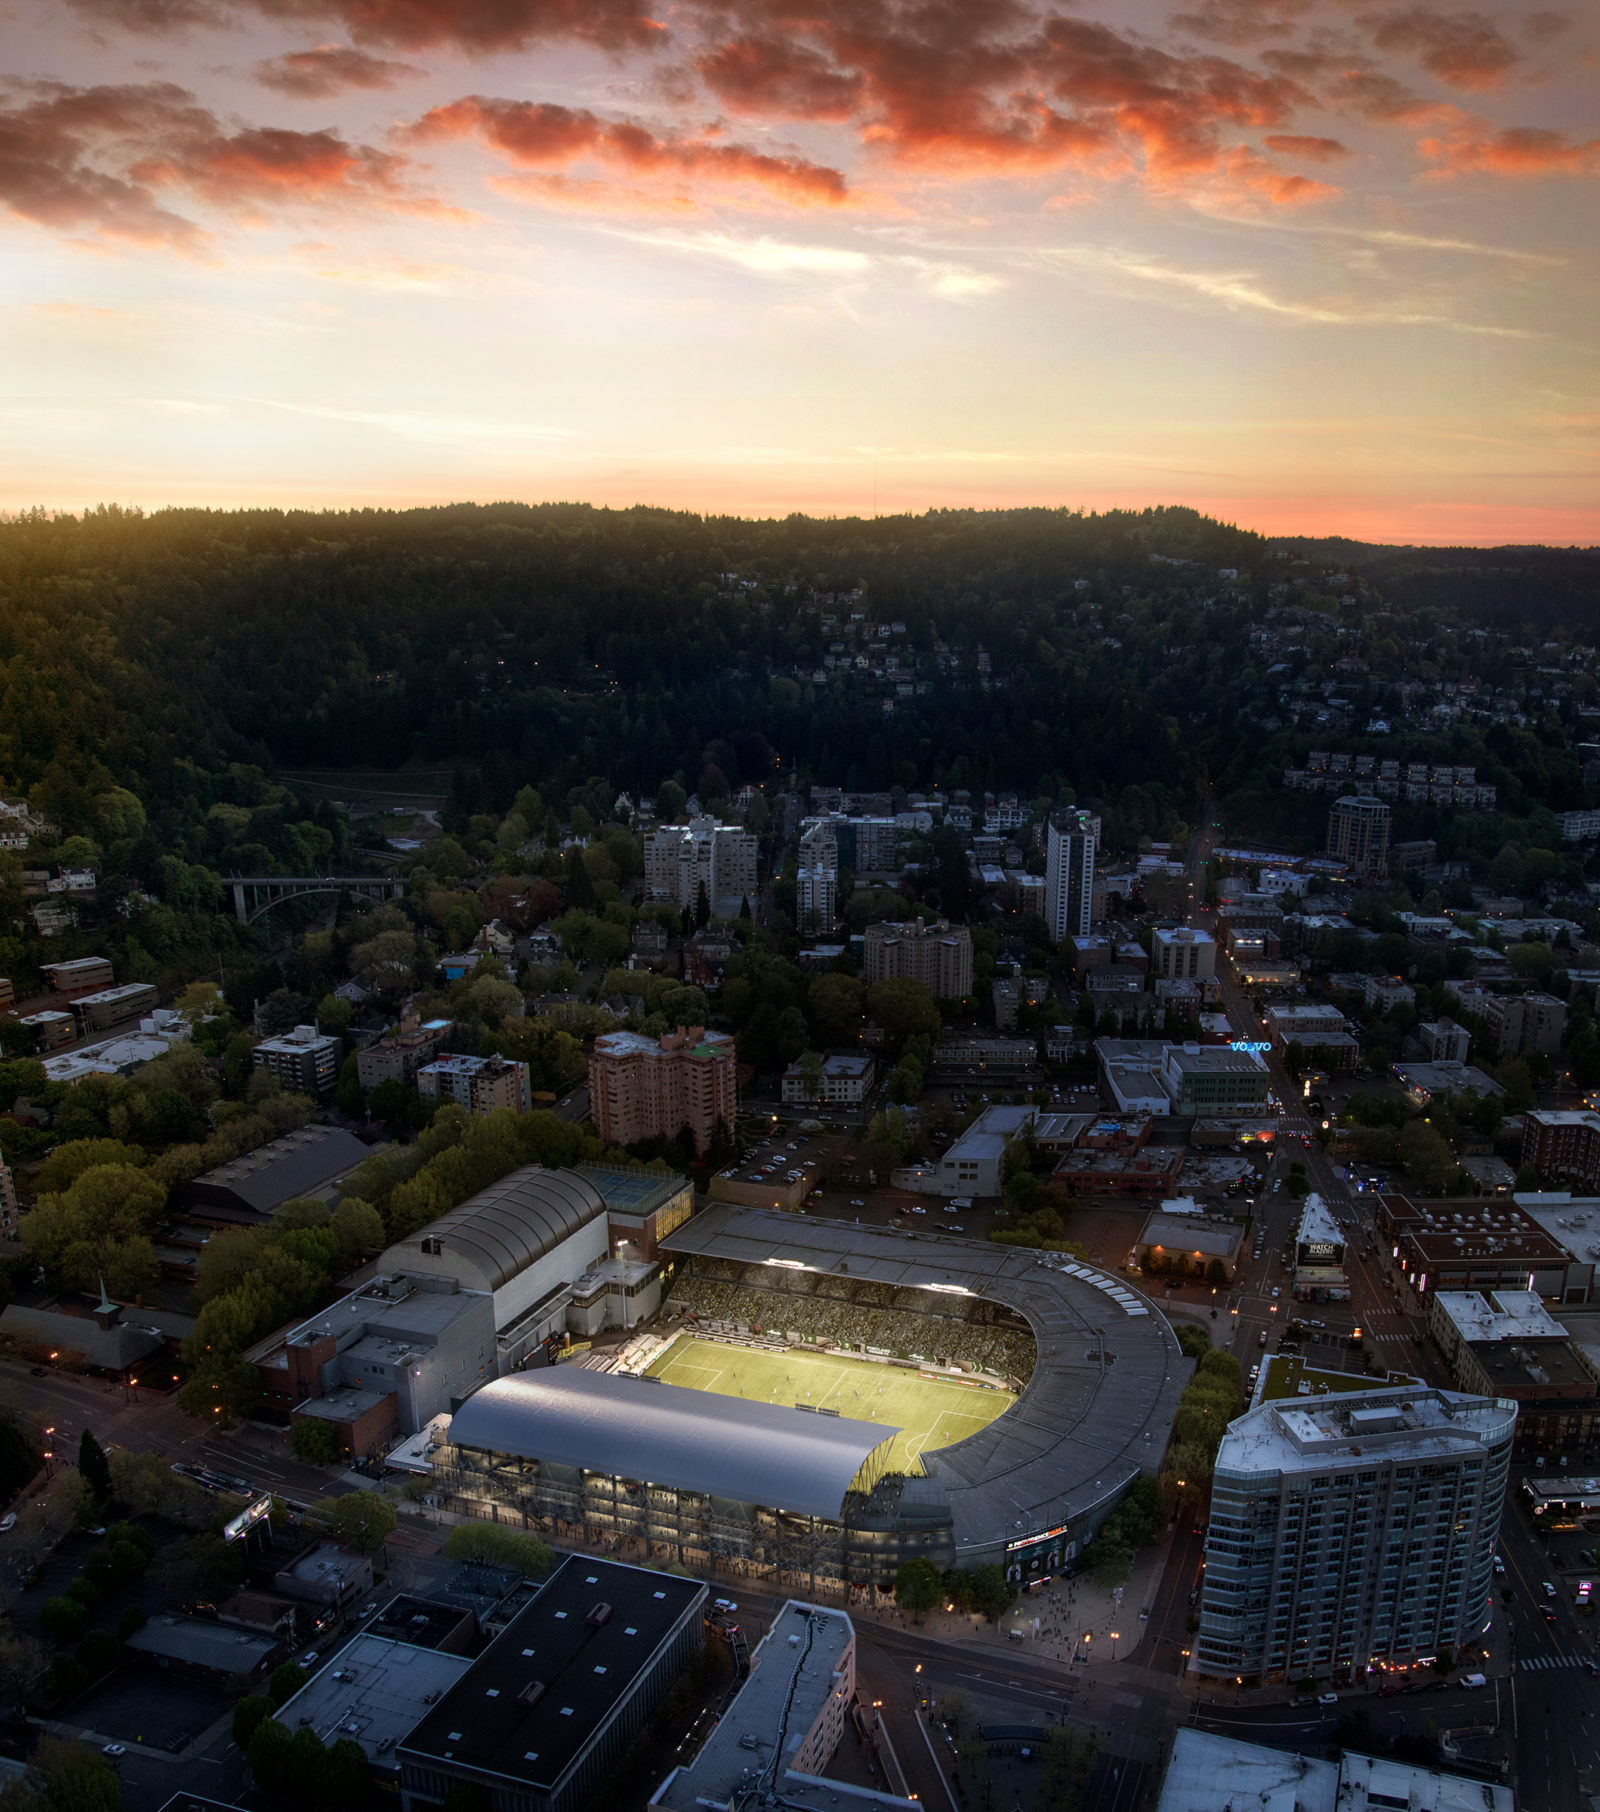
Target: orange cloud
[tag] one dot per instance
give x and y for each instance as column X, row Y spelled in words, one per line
column 531, row 134
column 787, row 81
column 329, row 69
column 579, row 195
column 1473, row 146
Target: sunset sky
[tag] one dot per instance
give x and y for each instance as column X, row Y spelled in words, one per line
column 1316, row 266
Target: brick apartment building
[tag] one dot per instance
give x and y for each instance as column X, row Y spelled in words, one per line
column 644, row 1088
column 479, row 1084
column 1564, row 1146
column 939, row 955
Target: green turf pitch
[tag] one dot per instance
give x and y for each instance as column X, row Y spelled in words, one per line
column 929, row 1412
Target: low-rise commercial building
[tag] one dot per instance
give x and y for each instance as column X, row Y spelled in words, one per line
column 1487, row 1243
column 1210, row 1773
column 205, row 1649
column 843, row 1080
column 324, row 1573
column 1422, row 1081
column 555, row 1700
column 374, row 1692
column 1115, row 1157
column 1190, row 1245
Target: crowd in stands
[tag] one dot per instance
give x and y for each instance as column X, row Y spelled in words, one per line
column 938, row 1330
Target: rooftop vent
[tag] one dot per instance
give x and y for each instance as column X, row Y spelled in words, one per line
column 599, row 1615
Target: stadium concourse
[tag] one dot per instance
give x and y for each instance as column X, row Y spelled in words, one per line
column 807, row 1491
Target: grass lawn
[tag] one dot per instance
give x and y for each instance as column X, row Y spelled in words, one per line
column 929, row 1412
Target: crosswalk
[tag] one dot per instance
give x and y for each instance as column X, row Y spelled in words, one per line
column 1534, row 1663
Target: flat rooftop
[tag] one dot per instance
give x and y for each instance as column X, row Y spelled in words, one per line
column 374, row 1691
column 529, row 1704
column 1292, row 1435
column 1220, row 1774
column 400, row 1311
column 1498, row 1315
column 422, row 1622
column 203, row 1643
column 793, row 1671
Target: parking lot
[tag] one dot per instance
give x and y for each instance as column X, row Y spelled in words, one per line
column 149, row 1707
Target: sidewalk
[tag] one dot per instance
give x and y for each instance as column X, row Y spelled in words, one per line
column 1068, row 1620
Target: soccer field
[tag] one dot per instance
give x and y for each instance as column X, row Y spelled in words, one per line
column 929, row 1412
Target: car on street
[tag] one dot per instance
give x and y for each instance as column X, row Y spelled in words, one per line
column 8, row 1522
column 856, row 1202
column 114, row 1749
column 1546, row 1587
column 1327, row 1698
column 725, row 1605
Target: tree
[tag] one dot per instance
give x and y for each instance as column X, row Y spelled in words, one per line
column 918, row 1586
column 494, row 1545
column 1194, row 1342
column 316, row 1441
column 346, row 1775
column 1429, row 1161
column 249, row 1715
column 287, row 1679
column 94, row 1469
column 65, row 1777
column 360, row 1519
column 992, row 1593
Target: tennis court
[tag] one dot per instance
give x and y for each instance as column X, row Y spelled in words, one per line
column 929, row 1412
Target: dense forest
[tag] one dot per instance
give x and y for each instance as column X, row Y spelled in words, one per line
column 164, row 680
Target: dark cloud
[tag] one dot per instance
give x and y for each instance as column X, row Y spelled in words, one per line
column 1466, row 50
column 96, row 161
column 329, row 69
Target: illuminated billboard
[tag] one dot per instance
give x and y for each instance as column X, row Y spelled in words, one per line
column 1038, row 1556
column 250, row 1517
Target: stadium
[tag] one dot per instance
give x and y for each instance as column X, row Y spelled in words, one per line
column 823, row 1402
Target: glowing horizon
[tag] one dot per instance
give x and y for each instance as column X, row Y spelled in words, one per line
column 1303, row 265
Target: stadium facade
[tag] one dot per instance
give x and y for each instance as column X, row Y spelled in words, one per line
column 804, row 1498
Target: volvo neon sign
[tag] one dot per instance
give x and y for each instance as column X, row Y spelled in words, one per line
column 1257, row 1047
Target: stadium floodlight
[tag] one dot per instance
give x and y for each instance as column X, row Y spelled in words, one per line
column 948, row 1289
column 787, row 1264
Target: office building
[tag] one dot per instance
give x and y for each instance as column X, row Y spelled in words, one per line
column 800, row 1688
column 556, row 1699
column 1180, row 954
column 1352, row 1531
column 1358, row 835
column 655, row 1088
column 683, row 862
column 937, row 954
column 1069, row 874
column 398, row 1057
column 304, row 1060
column 1214, row 1079
column 479, row 1084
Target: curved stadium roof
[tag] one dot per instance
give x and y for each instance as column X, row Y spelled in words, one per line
column 662, row 1434
column 513, row 1223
